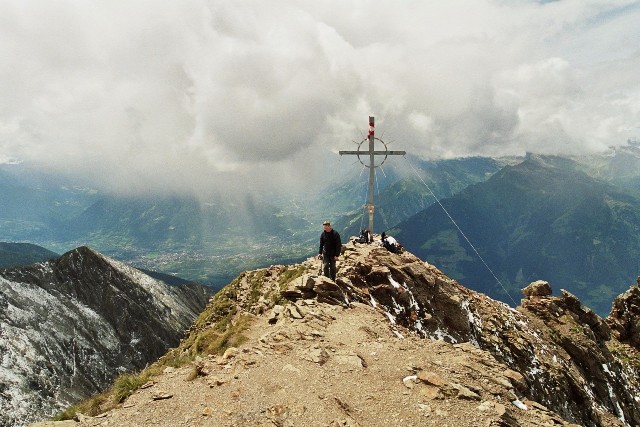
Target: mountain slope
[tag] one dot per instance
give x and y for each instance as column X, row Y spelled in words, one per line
column 392, row 341
column 542, row 218
column 619, row 165
column 399, row 192
column 70, row 325
column 33, row 204
column 211, row 241
column 13, row 254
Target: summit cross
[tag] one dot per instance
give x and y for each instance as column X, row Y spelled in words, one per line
column 371, row 153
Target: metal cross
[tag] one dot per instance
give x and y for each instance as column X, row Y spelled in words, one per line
column 372, row 153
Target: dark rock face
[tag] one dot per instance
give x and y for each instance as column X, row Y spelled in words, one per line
column 565, row 356
column 70, row 325
column 624, row 318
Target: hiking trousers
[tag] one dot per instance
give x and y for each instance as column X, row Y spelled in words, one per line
column 329, row 266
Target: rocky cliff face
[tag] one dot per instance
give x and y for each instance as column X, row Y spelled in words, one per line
column 69, row 326
column 567, row 357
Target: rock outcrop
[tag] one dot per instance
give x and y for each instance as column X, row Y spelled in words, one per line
column 563, row 355
column 624, row 318
column 70, row 325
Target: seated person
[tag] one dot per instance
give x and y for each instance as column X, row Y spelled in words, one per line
column 390, row 243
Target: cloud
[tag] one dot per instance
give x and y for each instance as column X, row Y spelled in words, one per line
column 208, row 96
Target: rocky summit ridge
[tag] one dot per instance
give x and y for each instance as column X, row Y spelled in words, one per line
column 392, row 341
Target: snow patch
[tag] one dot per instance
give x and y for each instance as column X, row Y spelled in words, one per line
column 391, row 318
column 373, row 301
column 441, row 335
column 393, row 282
column 520, row 405
column 473, row 319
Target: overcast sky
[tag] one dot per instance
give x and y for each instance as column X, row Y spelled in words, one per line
column 197, row 95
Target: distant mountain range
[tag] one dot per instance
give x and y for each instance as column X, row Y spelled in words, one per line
column 206, row 241
column 541, row 219
column 402, row 191
column 502, row 204
column 69, row 326
column 619, row 166
column 33, row 203
column 212, row 241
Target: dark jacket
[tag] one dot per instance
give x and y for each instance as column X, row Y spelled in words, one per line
column 330, row 244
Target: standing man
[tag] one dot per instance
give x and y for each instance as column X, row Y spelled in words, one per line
column 330, row 247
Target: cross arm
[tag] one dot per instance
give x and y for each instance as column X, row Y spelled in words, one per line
column 379, row 153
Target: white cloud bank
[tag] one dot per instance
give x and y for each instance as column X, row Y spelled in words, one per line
column 207, row 95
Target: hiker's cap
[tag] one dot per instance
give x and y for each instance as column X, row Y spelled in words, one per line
column 326, row 223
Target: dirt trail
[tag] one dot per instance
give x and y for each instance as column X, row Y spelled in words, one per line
column 333, row 367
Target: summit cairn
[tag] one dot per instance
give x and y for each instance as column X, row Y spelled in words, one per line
column 392, row 341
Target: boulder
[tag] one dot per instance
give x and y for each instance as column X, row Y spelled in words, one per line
column 539, row 288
